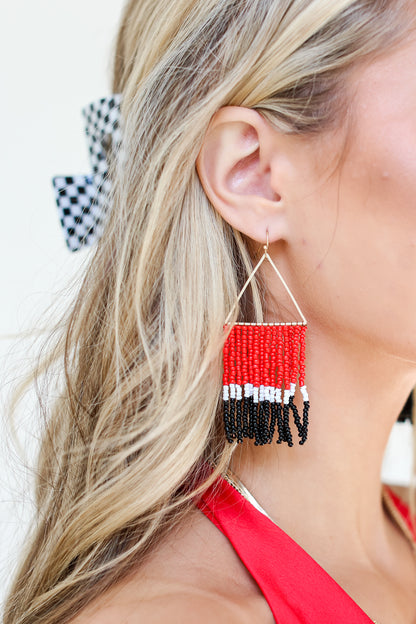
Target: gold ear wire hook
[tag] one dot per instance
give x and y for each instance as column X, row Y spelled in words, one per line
column 266, row 246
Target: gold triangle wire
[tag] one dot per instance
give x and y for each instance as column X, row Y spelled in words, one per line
column 254, row 271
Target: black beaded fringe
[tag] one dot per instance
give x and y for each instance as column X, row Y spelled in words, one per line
column 260, row 421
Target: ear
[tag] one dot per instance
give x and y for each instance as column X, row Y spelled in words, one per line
column 242, row 168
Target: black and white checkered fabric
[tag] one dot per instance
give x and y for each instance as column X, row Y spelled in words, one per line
column 82, row 200
column 102, row 127
column 81, row 217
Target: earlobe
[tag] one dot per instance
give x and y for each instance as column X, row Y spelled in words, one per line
column 234, row 166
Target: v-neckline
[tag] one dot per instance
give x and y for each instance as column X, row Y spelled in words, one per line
column 249, row 529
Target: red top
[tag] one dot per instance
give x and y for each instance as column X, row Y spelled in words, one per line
column 297, row 589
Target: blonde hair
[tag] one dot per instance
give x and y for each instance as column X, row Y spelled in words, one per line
column 139, row 349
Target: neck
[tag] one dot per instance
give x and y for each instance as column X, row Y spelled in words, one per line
column 334, row 479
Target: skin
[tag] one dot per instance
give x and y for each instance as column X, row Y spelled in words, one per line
column 344, row 237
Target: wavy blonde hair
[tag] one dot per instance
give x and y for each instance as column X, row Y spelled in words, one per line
column 138, row 352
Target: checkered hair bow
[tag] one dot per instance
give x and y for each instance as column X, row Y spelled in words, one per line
column 82, row 199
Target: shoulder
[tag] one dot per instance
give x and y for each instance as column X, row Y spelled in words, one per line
column 193, row 575
column 177, row 608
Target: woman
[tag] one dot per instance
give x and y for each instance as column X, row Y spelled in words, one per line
column 288, row 124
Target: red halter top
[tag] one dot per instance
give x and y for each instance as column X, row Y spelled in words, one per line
column 297, row 589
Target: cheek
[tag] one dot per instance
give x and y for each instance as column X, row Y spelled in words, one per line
column 359, row 245
column 357, row 249
column 377, row 209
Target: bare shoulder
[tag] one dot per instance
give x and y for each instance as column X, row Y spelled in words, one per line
column 178, row 608
column 194, row 575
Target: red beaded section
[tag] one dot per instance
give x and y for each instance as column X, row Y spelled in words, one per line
column 286, row 356
column 268, row 355
column 262, row 367
column 295, row 338
column 268, row 348
column 256, row 356
column 302, row 356
column 280, row 361
column 249, row 354
column 273, row 357
column 231, row 359
column 244, row 357
column 226, row 363
column 238, row 354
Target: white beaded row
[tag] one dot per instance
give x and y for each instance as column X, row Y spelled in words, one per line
column 261, row 393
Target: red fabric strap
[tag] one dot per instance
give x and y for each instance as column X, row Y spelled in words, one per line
column 297, row 589
column 403, row 510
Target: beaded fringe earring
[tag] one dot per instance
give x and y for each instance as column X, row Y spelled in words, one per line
column 263, row 363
